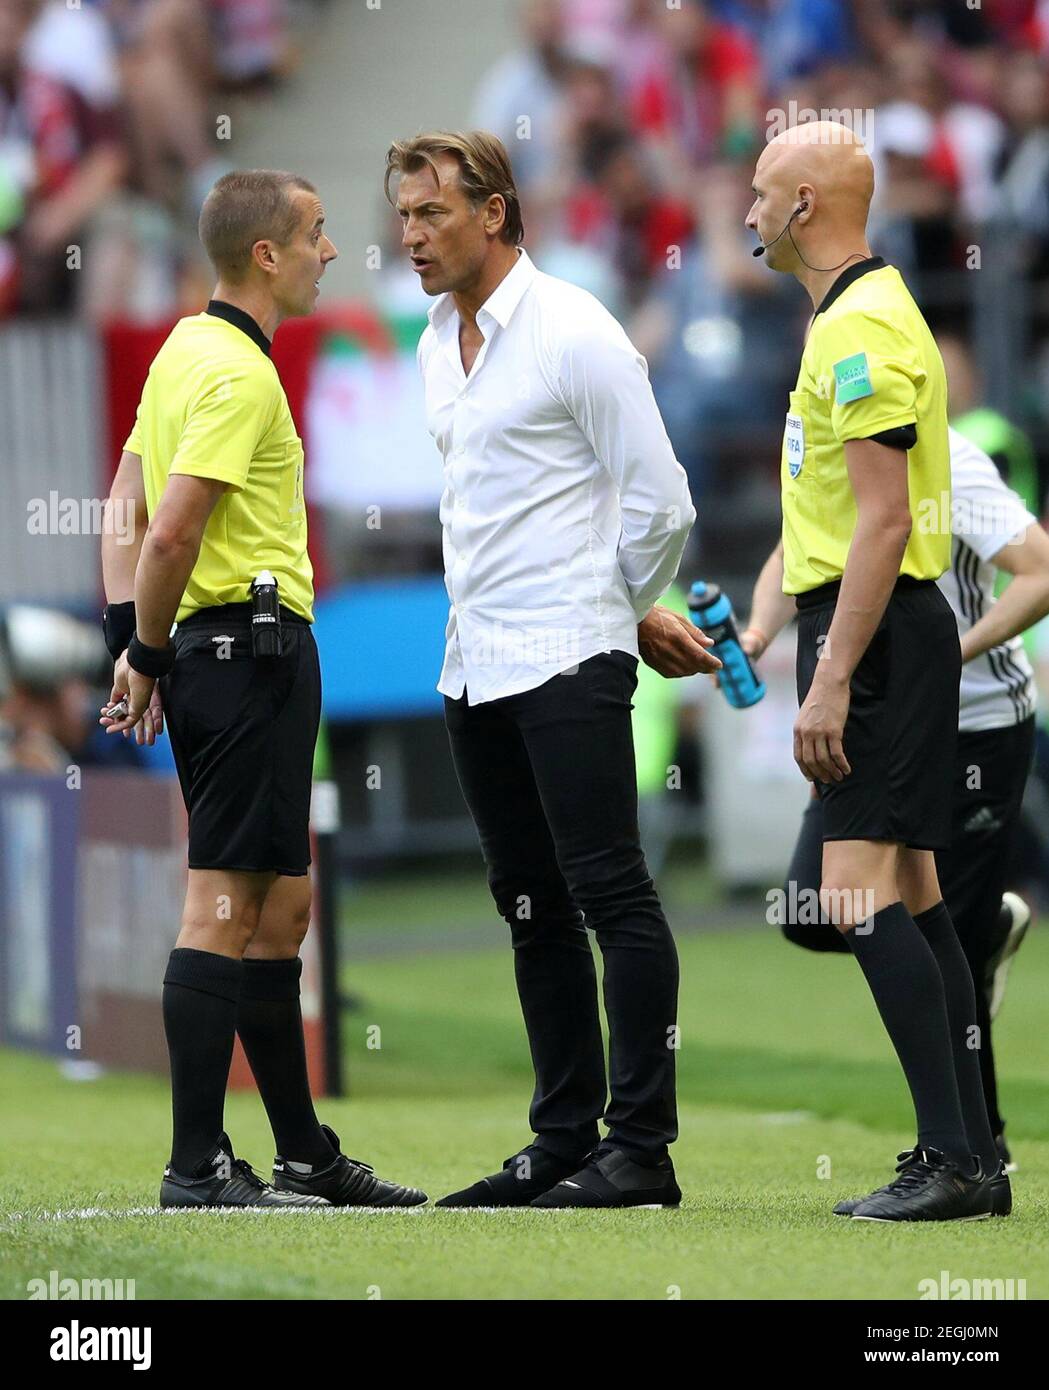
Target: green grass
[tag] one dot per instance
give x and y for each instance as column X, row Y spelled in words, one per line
column 784, row 1070
column 451, row 905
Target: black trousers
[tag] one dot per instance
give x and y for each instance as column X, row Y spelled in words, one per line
column 990, row 772
column 549, row 778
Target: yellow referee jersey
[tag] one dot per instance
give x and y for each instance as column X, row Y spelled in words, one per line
column 870, row 364
column 213, row 407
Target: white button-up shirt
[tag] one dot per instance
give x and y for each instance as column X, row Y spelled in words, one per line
column 564, row 511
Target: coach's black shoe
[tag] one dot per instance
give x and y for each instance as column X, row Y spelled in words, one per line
column 903, row 1161
column 227, row 1182
column 613, row 1179
column 345, row 1182
column 1016, row 918
column 931, row 1188
column 523, row 1177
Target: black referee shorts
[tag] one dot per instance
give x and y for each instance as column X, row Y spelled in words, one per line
column 243, row 732
column 902, row 727
column 973, row 872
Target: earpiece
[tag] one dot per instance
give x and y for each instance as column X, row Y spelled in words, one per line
column 760, row 250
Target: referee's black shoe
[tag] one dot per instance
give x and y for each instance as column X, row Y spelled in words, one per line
column 932, row 1188
column 903, row 1161
column 612, row 1179
column 1000, row 1190
column 227, row 1181
column 345, row 1182
column 523, row 1177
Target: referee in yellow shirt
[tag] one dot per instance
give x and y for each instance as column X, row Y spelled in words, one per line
column 865, row 467
column 214, row 465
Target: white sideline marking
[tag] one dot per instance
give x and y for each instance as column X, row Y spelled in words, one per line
column 118, row 1214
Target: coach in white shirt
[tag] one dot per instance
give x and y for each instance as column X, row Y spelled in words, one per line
column 565, row 515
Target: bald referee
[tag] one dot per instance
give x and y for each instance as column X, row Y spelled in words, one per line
column 215, row 465
column 865, row 446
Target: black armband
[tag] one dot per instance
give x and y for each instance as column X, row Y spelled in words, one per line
column 150, row 661
column 902, row 437
column 118, row 626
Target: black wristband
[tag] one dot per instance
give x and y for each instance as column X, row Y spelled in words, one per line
column 150, row 661
column 118, row 626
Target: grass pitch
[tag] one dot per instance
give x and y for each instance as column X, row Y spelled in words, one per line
column 789, row 1100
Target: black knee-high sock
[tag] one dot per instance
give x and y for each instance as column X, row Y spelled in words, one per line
column 966, row 1040
column 987, row 1067
column 269, row 1022
column 905, row 980
column 200, row 1018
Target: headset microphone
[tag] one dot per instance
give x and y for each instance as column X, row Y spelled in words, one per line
column 760, row 250
column 820, row 269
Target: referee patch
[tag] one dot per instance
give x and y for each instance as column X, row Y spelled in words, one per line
column 852, row 378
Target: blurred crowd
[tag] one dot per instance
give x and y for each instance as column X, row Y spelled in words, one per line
column 634, row 125
column 54, row 673
column 108, row 135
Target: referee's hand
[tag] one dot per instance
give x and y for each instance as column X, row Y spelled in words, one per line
column 144, row 713
column 673, row 645
column 819, row 730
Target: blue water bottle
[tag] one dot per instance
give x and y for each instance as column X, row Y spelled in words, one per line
column 711, row 610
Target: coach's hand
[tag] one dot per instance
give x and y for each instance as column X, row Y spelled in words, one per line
column 138, row 691
column 818, row 732
column 673, row 645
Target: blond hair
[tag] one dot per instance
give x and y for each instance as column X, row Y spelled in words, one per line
column 484, row 169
